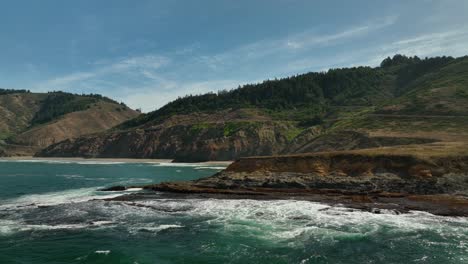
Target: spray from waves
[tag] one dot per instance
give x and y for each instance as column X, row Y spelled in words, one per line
column 56, row 198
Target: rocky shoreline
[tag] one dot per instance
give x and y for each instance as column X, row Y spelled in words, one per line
column 438, row 185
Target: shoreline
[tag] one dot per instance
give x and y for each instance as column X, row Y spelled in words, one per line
column 437, row 184
column 125, row 160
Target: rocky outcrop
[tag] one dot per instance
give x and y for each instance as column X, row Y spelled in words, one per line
column 438, row 184
column 345, row 172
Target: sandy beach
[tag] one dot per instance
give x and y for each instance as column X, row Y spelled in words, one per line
column 127, row 160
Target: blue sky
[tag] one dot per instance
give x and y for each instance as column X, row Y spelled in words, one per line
column 147, row 53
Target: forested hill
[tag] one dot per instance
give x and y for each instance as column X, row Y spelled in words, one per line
column 57, row 104
column 33, row 120
column 315, row 91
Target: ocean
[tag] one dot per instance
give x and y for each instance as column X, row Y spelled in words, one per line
column 51, row 211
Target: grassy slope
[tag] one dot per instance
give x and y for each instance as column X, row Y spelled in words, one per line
column 25, row 132
column 98, row 117
column 17, row 111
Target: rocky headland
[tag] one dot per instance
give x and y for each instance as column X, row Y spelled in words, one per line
column 437, row 184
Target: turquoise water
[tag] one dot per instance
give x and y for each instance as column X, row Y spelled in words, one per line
column 52, row 212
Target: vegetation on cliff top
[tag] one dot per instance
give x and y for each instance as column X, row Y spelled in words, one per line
column 311, row 96
column 12, row 91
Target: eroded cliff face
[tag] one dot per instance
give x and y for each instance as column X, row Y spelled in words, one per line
column 226, row 135
column 184, row 142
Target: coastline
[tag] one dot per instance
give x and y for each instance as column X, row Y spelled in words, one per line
column 366, row 181
column 125, row 160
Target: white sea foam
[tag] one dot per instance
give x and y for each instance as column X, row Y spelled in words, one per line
column 279, row 220
column 105, row 252
column 133, row 189
column 8, row 227
column 288, row 219
column 71, row 176
column 151, row 228
column 51, row 161
column 209, row 168
column 55, row 198
column 170, row 164
column 102, row 223
column 197, row 166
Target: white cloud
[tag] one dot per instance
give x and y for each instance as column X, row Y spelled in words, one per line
column 140, row 81
column 102, row 69
column 151, row 80
column 64, row 81
column 292, row 43
column 151, row 98
column 452, row 42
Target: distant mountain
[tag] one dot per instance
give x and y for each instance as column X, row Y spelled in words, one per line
column 406, row 100
column 31, row 121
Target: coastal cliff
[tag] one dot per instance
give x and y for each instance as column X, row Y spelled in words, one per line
column 181, row 141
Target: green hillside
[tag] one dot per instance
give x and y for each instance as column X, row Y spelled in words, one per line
column 57, row 104
column 30, row 121
column 404, row 101
column 406, row 81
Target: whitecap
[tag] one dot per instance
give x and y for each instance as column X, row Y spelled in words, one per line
column 152, row 229
column 71, row 176
column 104, row 252
column 8, row 227
column 133, row 189
column 102, row 223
